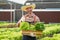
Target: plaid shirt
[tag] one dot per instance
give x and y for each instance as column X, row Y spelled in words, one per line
column 30, row 18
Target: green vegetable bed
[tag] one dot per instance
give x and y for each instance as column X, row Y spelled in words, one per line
column 55, row 37
column 10, row 34
column 50, row 31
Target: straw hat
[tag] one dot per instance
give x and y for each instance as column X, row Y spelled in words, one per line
column 23, row 8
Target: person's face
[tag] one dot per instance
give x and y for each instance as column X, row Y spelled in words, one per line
column 29, row 9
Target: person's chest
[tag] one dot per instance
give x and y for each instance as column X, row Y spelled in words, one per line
column 29, row 18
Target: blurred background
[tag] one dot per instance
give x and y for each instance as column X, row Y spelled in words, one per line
column 47, row 10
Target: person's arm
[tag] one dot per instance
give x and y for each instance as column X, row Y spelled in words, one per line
column 37, row 19
column 22, row 19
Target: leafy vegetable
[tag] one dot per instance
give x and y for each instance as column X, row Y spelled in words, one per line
column 32, row 27
column 24, row 26
column 39, row 26
column 10, row 34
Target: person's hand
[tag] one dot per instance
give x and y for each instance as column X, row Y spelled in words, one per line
column 32, row 34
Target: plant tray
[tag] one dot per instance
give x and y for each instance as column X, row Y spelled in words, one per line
column 24, row 32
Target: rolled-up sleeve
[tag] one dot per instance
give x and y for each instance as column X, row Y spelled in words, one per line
column 37, row 19
column 22, row 19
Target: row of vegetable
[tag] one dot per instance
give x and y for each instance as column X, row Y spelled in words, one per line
column 7, row 25
column 10, row 34
column 51, row 32
column 55, row 37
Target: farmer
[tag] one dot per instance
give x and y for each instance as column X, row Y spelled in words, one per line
column 29, row 17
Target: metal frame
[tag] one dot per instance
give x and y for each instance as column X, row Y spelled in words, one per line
column 10, row 10
column 46, row 10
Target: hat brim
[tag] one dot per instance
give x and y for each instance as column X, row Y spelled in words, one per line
column 23, row 8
